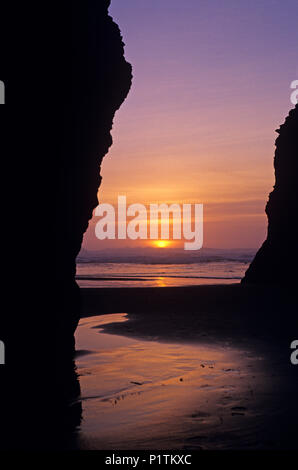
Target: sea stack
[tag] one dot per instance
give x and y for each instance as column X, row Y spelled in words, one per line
column 271, row 264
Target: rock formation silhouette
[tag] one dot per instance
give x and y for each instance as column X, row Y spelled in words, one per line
column 65, row 76
column 276, row 261
column 100, row 82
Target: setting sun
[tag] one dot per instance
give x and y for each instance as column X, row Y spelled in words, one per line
column 161, row 243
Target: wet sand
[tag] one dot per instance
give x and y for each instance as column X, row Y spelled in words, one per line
column 202, row 368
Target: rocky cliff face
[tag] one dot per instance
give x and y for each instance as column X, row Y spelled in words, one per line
column 65, row 77
column 96, row 82
column 276, row 261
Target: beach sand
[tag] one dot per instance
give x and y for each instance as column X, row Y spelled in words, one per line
column 199, row 368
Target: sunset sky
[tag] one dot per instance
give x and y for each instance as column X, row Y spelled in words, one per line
column 211, row 84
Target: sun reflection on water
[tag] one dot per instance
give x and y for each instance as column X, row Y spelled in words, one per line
column 147, row 394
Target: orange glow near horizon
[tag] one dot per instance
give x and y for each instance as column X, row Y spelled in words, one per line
column 161, row 243
column 198, row 125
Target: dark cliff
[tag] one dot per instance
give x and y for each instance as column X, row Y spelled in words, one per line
column 66, row 76
column 99, row 79
column 276, row 261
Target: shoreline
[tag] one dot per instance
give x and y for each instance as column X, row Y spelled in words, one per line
column 246, row 398
column 232, row 312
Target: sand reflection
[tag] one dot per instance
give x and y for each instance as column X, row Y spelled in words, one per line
column 146, row 394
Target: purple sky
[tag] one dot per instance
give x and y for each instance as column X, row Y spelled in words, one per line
column 211, row 84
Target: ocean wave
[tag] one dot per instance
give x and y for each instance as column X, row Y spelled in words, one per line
column 150, row 278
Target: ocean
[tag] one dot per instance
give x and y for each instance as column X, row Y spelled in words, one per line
column 211, row 267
